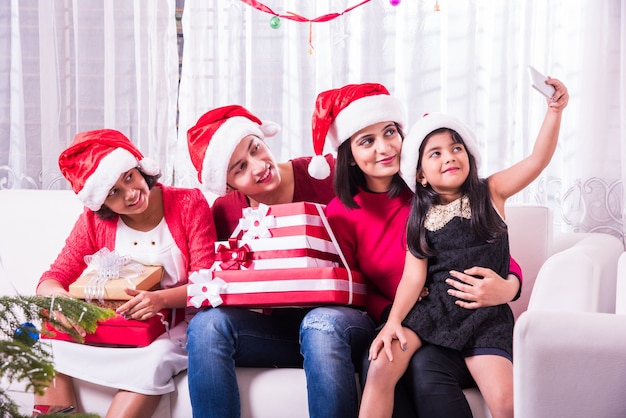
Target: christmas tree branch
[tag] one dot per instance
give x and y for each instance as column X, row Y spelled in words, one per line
column 23, row 356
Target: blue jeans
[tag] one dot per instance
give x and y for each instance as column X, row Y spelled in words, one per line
column 331, row 338
column 222, row 338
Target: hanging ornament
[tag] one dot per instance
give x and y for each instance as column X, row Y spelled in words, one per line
column 311, row 38
column 394, row 3
column 27, row 333
column 275, row 22
column 304, row 19
column 437, row 5
column 293, row 16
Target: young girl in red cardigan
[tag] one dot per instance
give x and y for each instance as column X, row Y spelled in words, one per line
column 128, row 211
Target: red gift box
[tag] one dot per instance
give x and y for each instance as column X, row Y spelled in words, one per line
column 276, row 288
column 120, row 332
column 279, row 256
column 292, row 235
column 284, row 220
column 272, row 253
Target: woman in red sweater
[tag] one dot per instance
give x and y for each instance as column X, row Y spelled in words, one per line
column 364, row 123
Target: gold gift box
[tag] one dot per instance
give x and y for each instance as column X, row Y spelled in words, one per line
column 114, row 288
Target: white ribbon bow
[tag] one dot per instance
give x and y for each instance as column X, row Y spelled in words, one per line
column 109, row 265
column 203, row 288
column 255, row 223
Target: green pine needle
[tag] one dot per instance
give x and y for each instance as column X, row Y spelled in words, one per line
column 23, row 355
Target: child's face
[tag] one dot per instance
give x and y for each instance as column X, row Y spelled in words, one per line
column 444, row 165
column 252, row 169
column 129, row 195
column 376, row 150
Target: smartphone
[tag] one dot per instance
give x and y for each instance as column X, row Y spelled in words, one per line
column 61, row 409
column 538, row 81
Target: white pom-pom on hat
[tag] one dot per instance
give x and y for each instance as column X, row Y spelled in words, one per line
column 319, row 168
column 149, row 166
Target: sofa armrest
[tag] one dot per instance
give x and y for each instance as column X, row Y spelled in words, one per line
column 620, row 288
column 569, row 364
column 580, row 278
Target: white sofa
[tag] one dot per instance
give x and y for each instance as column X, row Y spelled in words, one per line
column 35, row 223
column 579, row 350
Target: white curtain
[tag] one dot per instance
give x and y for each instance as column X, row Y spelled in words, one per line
column 74, row 65
column 470, row 59
column 83, row 64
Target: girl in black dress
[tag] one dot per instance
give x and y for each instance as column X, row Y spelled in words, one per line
column 456, row 221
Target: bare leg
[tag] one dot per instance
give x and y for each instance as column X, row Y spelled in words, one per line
column 494, row 377
column 60, row 392
column 382, row 377
column 127, row 404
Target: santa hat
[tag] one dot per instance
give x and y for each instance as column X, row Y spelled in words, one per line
column 420, row 130
column 95, row 160
column 339, row 113
column 214, row 138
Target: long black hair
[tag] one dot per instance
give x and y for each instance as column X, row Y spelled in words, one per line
column 105, row 212
column 349, row 178
column 485, row 221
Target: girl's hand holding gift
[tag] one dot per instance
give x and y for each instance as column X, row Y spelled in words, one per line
column 142, row 306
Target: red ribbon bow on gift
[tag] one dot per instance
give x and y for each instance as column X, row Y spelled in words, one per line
column 233, row 257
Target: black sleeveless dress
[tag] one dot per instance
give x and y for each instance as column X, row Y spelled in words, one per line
column 436, row 319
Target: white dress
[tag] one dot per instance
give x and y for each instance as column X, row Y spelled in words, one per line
column 147, row 370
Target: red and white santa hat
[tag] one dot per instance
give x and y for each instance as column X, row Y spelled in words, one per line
column 95, row 160
column 339, row 113
column 420, row 130
column 214, row 138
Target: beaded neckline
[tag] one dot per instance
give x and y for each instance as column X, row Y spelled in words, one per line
column 438, row 216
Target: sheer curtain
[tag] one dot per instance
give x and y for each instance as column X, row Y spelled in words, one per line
column 83, row 64
column 74, row 65
column 469, row 59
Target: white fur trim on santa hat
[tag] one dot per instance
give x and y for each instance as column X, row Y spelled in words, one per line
column 98, row 185
column 364, row 112
column 410, row 147
column 223, row 144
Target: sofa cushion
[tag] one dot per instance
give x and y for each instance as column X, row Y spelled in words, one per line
column 30, row 243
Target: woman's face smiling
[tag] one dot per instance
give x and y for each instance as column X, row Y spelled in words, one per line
column 376, row 150
column 252, row 169
column 129, row 195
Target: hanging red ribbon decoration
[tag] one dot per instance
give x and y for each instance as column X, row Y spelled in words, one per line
column 298, row 18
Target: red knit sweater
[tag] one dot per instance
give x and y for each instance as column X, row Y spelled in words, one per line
column 188, row 218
